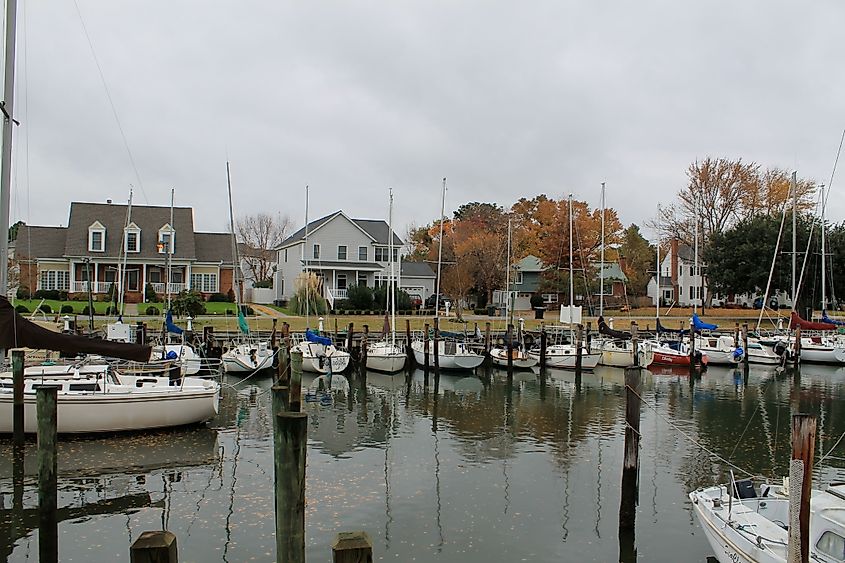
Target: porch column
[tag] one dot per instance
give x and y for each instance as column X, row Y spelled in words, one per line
column 95, row 287
column 144, row 282
column 188, row 276
column 72, row 276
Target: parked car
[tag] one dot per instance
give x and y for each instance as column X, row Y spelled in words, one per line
column 773, row 303
column 432, row 299
column 416, row 300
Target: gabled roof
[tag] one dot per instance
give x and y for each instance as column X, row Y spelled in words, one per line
column 686, row 253
column 376, row 229
column 665, row 281
column 40, row 242
column 417, row 270
column 112, row 216
column 212, row 247
column 530, row 264
column 612, row 271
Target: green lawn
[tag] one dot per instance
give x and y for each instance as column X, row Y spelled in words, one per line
column 56, row 306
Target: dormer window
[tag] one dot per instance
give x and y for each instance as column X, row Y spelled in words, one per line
column 166, row 239
column 97, row 237
column 132, row 238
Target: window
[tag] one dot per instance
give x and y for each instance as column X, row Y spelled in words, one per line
column 286, row 255
column 166, row 239
column 55, row 279
column 316, row 251
column 550, row 298
column 362, row 277
column 691, row 271
column 154, row 276
column 395, row 254
column 363, row 255
column 205, row 283
column 341, row 281
column 341, row 252
column 133, row 239
column 97, row 237
column 132, row 280
column 518, row 280
column 381, row 254
column 111, row 275
column 832, row 544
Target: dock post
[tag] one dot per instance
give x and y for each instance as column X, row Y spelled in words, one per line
column 48, row 530
column 408, row 350
column 509, row 336
column 364, row 349
column 736, row 334
column 800, row 484
column 797, row 349
column 691, row 348
column 352, row 547
column 635, row 346
column 436, row 348
column 426, row 351
column 295, row 391
column 487, row 343
column 284, row 358
column 336, row 337
column 349, row 334
column 579, row 345
column 17, row 404
column 631, row 461
column 154, row 547
column 274, row 347
column 745, row 342
column 544, row 339
column 290, row 442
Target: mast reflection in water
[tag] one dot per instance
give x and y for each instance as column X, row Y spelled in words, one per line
column 478, row 471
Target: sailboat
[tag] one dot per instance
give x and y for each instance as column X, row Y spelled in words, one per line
column 519, row 357
column 452, row 353
column 386, row 355
column 319, row 354
column 565, row 354
column 248, row 355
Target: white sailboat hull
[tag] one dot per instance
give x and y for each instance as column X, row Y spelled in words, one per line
column 565, row 356
column 520, row 359
column 460, row 358
column 312, row 353
column 247, row 358
column 385, row 357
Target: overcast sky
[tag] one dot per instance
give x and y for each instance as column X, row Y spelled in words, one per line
column 505, row 99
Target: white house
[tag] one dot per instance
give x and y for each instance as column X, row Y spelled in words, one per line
column 679, row 283
column 344, row 252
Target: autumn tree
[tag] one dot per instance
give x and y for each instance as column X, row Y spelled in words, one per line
column 260, row 235
column 638, row 258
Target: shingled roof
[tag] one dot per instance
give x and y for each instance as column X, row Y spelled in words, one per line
column 38, row 242
column 377, row 229
column 417, row 270
column 213, row 247
column 113, row 217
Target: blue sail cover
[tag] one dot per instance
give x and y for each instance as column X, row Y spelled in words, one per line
column 828, row 320
column 311, row 337
column 701, row 325
column 168, row 322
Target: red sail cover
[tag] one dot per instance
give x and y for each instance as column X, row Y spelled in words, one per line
column 18, row 332
column 796, row 321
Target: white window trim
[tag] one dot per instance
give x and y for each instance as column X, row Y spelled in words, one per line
column 518, row 279
column 345, row 252
column 132, row 229
column 166, row 230
column 315, row 251
column 366, row 254
column 97, row 227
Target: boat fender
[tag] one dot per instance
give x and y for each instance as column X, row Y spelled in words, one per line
column 738, row 353
column 172, row 355
column 780, row 349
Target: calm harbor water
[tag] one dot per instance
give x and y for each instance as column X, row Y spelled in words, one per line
column 474, row 471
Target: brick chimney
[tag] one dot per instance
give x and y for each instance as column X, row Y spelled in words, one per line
column 674, row 272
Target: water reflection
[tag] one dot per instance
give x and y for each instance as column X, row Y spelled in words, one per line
column 472, row 467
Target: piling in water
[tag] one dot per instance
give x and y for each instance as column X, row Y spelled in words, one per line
column 289, row 441
column 543, row 344
column 801, row 470
column 796, row 353
column 426, row 352
column 349, row 335
column 352, row 547
column 631, row 459
column 436, row 348
column 48, row 541
column 509, row 336
column 487, row 343
column 579, row 345
column 17, row 401
column 295, row 402
column 408, row 350
column 364, row 345
column 154, row 547
column 745, row 342
column 691, row 347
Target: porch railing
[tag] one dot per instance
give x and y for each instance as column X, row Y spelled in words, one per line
column 339, row 293
column 174, row 287
column 96, row 287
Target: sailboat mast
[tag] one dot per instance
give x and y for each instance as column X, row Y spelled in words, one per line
column 440, row 248
column 508, row 276
column 571, row 270
column 235, row 283
column 824, row 270
column 695, row 267
column 657, row 273
column 392, row 295
column 601, row 270
column 8, row 123
column 305, row 261
column 121, row 266
column 794, row 235
column 169, row 252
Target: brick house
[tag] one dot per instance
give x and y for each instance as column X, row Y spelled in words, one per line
column 93, row 244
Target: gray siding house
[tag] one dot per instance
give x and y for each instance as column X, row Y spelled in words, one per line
column 341, row 251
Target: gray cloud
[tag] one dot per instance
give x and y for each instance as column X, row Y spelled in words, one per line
column 506, row 99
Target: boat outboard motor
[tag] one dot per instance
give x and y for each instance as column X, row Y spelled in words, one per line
column 744, row 488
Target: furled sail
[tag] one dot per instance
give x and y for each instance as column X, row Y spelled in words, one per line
column 796, row 321
column 607, row 331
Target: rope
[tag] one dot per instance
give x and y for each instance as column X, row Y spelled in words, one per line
column 688, row 437
column 235, row 385
column 830, row 451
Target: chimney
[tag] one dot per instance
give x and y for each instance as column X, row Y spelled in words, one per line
column 108, row 201
column 674, row 272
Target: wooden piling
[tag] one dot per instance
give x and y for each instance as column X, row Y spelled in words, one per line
column 17, row 400
column 349, row 334
column 284, row 358
column 691, row 347
column 796, row 352
column 290, row 441
column 365, row 338
column 579, row 335
column 803, row 450
column 631, row 460
column 295, row 392
column 745, row 342
column 408, row 350
column 48, row 540
column 509, row 336
column 543, row 345
column 436, row 348
column 154, row 547
column 426, row 351
column 635, row 347
column 488, row 343
column 352, row 547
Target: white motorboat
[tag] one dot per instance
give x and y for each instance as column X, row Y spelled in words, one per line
column 452, row 354
column 520, row 359
column 385, row 356
column 817, row 350
column 565, row 356
column 93, row 398
column 248, row 357
column 759, row 353
column 719, row 349
column 619, row 353
column 752, row 528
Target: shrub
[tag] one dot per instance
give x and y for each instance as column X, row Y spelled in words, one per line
column 537, row 300
column 360, row 296
column 230, row 312
column 230, row 295
column 152, row 311
column 150, row 295
column 266, row 284
column 21, row 309
column 87, row 311
column 479, row 311
column 188, row 302
column 22, row 292
column 45, row 308
column 219, row 298
column 247, row 310
column 66, row 310
column 53, row 294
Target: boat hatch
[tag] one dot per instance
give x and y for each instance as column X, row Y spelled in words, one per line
column 141, row 380
column 83, row 387
column 832, row 544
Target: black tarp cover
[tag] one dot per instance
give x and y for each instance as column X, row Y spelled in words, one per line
column 607, row 331
column 18, row 332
